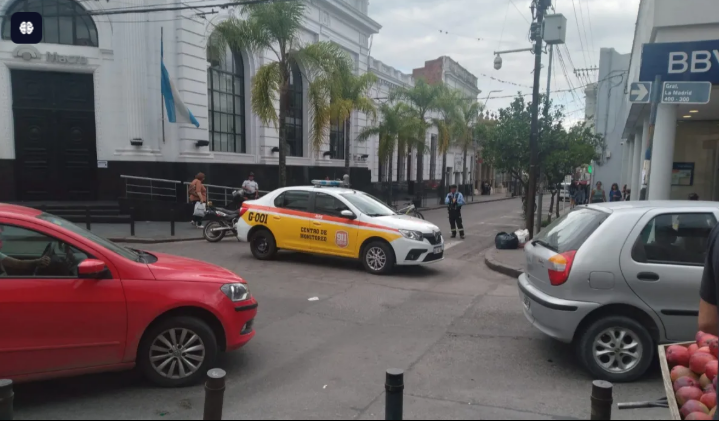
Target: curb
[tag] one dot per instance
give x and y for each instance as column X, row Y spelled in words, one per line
column 470, row 203
column 130, row 240
column 502, row 268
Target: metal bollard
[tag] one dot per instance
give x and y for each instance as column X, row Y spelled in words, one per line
column 602, row 400
column 87, row 218
column 6, row 400
column 172, row 222
column 132, row 222
column 394, row 388
column 214, row 394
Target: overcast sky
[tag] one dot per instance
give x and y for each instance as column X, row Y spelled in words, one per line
column 470, row 30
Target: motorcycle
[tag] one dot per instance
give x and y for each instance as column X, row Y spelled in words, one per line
column 218, row 222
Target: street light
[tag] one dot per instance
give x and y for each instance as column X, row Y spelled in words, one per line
column 490, row 94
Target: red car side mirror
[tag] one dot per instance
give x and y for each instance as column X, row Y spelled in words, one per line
column 91, row 268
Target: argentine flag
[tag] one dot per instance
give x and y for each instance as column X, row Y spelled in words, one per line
column 176, row 108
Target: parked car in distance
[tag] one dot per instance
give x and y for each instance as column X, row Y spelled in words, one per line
column 73, row 303
column 617, row 279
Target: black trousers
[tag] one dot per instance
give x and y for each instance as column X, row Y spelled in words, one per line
column 455, row 222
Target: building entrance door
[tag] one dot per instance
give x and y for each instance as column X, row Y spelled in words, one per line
column 55, row 145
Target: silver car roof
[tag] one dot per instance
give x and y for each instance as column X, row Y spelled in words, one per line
column 653, row 204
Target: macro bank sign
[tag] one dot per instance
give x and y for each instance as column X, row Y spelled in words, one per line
column 696, row 61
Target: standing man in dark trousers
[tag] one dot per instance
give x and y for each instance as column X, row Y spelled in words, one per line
column 454, row 202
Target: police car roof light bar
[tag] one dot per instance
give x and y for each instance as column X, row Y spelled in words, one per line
column 328, row 183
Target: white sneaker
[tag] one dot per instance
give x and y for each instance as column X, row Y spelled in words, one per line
column 193, row 223
column 201, row 226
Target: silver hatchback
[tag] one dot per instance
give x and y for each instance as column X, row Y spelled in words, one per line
column 616, row 279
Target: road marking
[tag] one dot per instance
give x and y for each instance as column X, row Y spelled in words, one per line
column 448, row 246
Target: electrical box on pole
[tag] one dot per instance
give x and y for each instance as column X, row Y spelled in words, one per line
column 555, row 29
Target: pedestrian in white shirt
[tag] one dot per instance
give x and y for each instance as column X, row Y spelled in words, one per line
column 250, row 187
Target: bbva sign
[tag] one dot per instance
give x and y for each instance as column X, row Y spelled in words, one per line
column 696, row 61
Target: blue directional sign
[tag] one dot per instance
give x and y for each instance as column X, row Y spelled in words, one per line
column 640, row 92
column 696, row 61
column 686, row 92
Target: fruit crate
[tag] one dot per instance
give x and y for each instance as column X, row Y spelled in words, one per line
column 667, row 377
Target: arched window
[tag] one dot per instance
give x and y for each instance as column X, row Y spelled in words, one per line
column 226, row 98
column 64, row 21
column 293, row 122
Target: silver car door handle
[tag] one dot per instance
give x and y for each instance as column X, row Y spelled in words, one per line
column 648, row 276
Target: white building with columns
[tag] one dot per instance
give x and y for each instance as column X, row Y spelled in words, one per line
column 84, row 106
column 675, row 42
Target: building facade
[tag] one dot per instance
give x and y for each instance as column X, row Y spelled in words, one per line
column 84, row 107
column 609, row 108
column 674, row 42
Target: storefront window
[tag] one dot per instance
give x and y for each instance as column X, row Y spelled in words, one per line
column 64, row 21
column 226, row 103
column 293, row 122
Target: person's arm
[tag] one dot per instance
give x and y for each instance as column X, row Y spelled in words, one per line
column 257, row 191
column 591, row 195
column 12, row 263
column 460, row 200
column 200, row 193
column 708, row 313
column 446, row 199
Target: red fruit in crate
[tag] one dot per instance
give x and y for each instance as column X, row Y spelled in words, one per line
column 705, row 350
column 712, row 369
column 698, row 362
column 693, row 348
column 706, row 340
column 709, row 400
column 693, row 406
column 699, row 336
column 689, row 393
column 686, row 382
column 677, row 355
column 680, row 371
column 698, row 416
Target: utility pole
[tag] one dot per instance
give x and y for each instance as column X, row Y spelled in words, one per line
column 546, row 116
column 540, row 6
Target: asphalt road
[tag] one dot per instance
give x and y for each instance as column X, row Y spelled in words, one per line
column 455, row 327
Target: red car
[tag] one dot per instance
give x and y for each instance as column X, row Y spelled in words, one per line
column 73, row 303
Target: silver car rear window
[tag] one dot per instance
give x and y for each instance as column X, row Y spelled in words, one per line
column 569, row 232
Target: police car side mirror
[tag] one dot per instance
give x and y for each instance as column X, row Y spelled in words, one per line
column 348, row 214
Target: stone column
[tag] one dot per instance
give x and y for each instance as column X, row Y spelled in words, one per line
column 660, row 181
column 638, row 163
column 133, row 80
column 630, row 163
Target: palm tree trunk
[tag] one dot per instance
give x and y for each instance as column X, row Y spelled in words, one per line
column 464, row 167
column 284, row 104
column 389, row 179
column 444, row 174
column 557, row 208
column 409, row 163
column 347, row 146
column 419, row 186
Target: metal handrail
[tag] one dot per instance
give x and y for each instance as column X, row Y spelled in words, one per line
column 132, row 177
column 225, row 194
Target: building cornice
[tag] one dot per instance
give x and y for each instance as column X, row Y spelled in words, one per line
column 364, row 22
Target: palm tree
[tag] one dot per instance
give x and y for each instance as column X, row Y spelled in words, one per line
column 398, row 124
column 447, row 125
column 467, row 130
column 351, row 95
column 423, row 97
column 275, row 28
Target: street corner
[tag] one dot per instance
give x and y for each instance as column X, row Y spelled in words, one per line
column 506, row 262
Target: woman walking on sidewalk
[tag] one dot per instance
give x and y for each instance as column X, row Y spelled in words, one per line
column 198, row 194
column 598, row 195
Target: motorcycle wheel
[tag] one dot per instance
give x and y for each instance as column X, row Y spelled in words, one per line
column 418, row 214
column 213, row 237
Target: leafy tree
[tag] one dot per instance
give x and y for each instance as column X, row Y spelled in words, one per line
column 468, row 129
column 351, row 95
column 399, row 124
column 447, row 125
column 275, row 27
column 423, row 98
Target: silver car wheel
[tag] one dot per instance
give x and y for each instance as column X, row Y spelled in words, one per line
column 177, row 353
column 617, row 350
column 376, row 258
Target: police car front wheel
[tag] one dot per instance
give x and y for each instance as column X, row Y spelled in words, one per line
column 263, row 245
column 378, row 258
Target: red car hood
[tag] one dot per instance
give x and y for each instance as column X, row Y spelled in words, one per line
column 176, row 268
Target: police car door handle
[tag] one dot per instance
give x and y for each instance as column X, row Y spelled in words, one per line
column 317, row 223
column 276, row 217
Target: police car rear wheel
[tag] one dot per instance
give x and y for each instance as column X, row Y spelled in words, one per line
column 263, row 245
column 378, row 258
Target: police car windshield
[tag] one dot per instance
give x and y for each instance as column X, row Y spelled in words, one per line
column 368, row 205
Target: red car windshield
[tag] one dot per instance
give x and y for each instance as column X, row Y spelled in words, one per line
column 122, row 251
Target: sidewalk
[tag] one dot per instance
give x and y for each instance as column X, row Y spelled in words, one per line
column 508, row 262
column 147, row 232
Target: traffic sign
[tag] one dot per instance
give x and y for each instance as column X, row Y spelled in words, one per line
column 686, row 92
column 694, row 61
column 640, row 92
